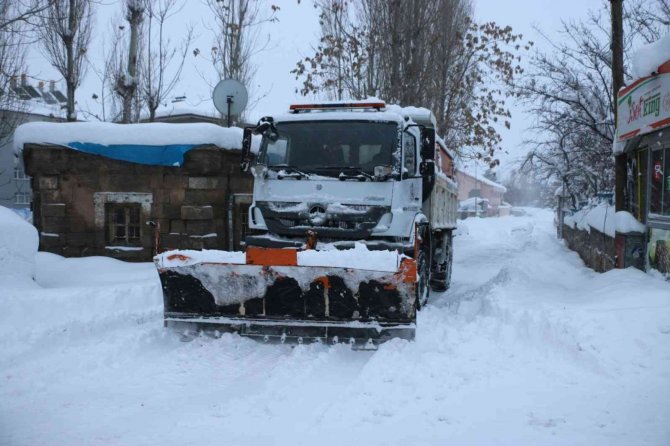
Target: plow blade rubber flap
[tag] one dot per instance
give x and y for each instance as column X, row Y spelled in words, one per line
column 272, row 297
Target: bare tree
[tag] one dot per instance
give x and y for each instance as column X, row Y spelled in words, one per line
column 569, row 90
column 237, row 37
column 65, row 33
column 427, row 53
column 161, row 55
column 127, row 76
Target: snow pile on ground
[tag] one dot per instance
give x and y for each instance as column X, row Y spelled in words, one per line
column 648, row 58
column 528, row 347
column 600, row 217
column 18, row 245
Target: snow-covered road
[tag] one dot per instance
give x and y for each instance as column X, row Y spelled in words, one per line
column 527, row 347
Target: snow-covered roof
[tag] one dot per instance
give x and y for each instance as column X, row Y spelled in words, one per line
column 648, row 58
column 152, row 143
column 483, row 180
column 105, row 133
column 187, row 106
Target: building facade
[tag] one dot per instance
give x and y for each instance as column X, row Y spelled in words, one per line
column 475, row 186
column 642, row 133
column 27, row 104
column 87, row 203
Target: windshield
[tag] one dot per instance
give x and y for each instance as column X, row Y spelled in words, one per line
column 331, row 147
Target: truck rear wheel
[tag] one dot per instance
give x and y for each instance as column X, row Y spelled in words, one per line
column 440, row 277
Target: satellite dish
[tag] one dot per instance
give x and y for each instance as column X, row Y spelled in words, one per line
column 230, row 97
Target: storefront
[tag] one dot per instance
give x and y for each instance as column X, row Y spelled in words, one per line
column 643, row 133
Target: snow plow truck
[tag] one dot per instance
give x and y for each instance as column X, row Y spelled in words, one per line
column 352, row 219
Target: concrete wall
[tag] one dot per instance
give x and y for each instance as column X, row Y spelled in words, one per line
column 191, row 203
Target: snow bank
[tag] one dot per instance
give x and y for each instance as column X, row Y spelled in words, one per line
column 18, row 245
column 626, row 223
column 600, row 217
column 105, row 133
column 603, row 218
column 648, row 58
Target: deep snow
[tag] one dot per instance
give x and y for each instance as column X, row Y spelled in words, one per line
column 528, row 347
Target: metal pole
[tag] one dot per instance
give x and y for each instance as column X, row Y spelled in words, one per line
column 229, row 101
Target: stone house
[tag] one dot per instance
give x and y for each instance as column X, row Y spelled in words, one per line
column 100, row 188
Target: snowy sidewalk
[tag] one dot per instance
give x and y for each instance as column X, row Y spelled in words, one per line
column 528, row 347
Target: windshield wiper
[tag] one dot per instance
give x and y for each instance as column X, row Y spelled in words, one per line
column 291, row 172
column 358, row 174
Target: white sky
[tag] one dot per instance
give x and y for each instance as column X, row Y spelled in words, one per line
column 291, row 38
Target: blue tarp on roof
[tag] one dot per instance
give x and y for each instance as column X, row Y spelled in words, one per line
column 168, row 155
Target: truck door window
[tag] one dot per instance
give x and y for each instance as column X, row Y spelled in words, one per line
column 276, row 152
column 409, row 154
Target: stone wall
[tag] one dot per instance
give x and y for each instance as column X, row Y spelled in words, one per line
column 596, row 249
column 71, row 190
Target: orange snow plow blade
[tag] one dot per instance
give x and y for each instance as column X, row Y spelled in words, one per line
column 267, row 294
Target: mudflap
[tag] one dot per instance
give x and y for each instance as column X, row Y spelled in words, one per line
column 291, row 303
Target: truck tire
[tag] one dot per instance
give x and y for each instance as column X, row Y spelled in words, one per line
column 422, row 285
column 440, row 277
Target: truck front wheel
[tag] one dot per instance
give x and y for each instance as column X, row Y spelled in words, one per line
column 422, row 288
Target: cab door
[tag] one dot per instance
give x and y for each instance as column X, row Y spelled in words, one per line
column 407, row 191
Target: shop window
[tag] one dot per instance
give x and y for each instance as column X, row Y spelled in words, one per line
column 659, row 199
column 123, row 224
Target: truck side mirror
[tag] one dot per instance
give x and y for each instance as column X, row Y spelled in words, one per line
column 428, row 143
column 427, row 169
column 246, row 149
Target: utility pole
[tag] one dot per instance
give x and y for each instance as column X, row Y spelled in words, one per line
column 617, row 82
column 620, row 161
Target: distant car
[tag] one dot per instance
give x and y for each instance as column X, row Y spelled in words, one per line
column 518, row 212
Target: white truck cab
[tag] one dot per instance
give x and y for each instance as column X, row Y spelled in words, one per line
column 350, row 172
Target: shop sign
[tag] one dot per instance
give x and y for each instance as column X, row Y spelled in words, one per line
column 644, row 106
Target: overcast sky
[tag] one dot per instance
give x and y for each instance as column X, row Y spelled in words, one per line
column 292, row 37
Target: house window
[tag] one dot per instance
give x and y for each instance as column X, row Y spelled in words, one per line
column 659, row 178
column 19, row 174
column 474, row 193
column 21, row 198
column 123, row 224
